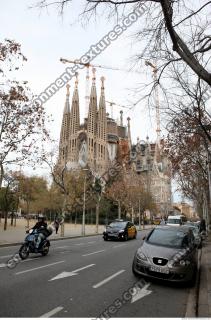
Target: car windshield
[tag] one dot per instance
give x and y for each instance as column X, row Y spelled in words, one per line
column 168, row 238
column 118, row 224
column 174, row 221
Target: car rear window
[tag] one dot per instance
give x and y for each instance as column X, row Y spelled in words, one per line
column 174, row 221
column 120, row 224
column 168, row 238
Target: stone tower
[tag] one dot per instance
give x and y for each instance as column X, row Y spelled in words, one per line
column 65, row 130
column 74, row 125
column 91, row 124
column 95, row 142
column 101, row 145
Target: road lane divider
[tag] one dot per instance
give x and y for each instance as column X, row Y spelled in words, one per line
column 89, row 254
column 41, row 267
column 66, row 274
column 119, row 245
column 52, row 312
column 99, row 284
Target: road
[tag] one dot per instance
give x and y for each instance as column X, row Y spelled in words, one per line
column 85, row 277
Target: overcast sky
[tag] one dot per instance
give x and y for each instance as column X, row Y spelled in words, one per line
column 45, row 37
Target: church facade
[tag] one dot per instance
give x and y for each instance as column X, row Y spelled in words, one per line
column 95, row 142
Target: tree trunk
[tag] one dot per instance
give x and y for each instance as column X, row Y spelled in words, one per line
column 5, row 220
column 132, row 214
column 12, row 219
column 119, row 210
column 27, row 210
column 97, row 215
column 1, row 174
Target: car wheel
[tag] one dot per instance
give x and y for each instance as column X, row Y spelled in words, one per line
column 134, row 271
column 192, row 281
column 105, row 238
column 126, row 237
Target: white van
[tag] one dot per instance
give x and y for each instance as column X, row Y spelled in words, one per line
column 176, row 220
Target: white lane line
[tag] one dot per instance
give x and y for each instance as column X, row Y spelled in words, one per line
column 107, row 279
column 62, row 247
column 9, row 256
column 52, row 312
column 47, row 265
column 79, row 244
column 119, row 245
column 89, row 254
column 30, row 259
column 91, row 242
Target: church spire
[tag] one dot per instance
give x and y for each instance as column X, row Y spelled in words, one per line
column 102, row 121
column 67, row 102
column 65, row 130
column 75, row 113
column 92, row 106
column 129, row 133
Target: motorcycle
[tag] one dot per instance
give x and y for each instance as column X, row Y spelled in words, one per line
column 29, row 245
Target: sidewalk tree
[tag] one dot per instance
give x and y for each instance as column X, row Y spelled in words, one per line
column 187, row 147
column 8, row 196
column 22, row 124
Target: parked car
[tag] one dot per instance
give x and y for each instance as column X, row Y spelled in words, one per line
column 121, row 230
column 196, row 233
column 167, row 253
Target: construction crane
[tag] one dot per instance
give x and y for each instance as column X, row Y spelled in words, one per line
column 157, row 103
column 88, row 65
column 118, row 105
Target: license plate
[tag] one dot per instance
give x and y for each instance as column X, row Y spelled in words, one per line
column 158, row 269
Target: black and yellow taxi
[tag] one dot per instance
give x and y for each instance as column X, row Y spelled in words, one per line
column 120, row 230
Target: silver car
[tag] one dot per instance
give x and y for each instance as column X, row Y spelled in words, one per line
column 167, row 253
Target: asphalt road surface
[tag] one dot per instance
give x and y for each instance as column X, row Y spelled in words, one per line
column 85, row 277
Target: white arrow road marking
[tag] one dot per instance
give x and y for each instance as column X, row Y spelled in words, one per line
column 89, row 254
column 3, row 265
column 47, row 265
column 52, row 312
column 107, row 279
column 140, row 293
column 66, row 274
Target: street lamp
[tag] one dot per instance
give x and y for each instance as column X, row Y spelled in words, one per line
column 84, row 206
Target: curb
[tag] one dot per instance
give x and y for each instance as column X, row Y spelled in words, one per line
column 4, row 245
column 192, row 303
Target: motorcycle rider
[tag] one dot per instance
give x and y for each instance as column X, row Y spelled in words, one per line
column 40, row 226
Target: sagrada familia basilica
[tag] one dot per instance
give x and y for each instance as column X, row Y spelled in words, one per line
column 95, row 142
column 99, row 141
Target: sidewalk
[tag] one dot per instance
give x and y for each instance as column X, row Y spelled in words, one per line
column 204, row 295
column 17, row 234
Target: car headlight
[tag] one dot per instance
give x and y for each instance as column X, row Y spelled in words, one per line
column 176, row 263
column 140, row 255
column 122, row 230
